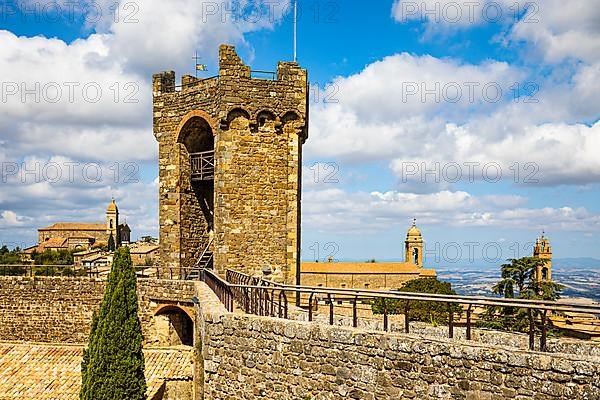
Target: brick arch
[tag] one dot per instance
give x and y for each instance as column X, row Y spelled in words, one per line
column 268, row 113
column 200, row 114
column 237, row 111
column 173, row 307
column 294, row 116
column 233, row 113
column 289, row 116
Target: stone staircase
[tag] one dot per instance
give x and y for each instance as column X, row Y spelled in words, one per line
column 205, row 261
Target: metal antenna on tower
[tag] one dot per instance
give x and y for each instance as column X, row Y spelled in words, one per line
column 295, row 29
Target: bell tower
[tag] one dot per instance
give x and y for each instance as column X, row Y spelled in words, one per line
column 230, row 156
column 543, row 250
column 413, row 248
column 112, row 221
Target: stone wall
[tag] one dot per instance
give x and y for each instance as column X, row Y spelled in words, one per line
column 259, row 126
column 99, row 235
column 373, row 281
column 254, row 357
column 59, row 310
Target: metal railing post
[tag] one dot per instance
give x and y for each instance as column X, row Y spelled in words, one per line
column 450, row 321
column 385, row 315
column 531, row 330
column 310, row 309
column 469, row 311
column 330, row 309
column 543, row 338
column 354, row 313
column 406, row 318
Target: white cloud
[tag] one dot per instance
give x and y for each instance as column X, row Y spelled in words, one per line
column 371, row 121
column 339, row 211
column 39, row 127
column 554, row 30
column 562, row 30
column 441, row 17
column 403, row 85
column 9, row 219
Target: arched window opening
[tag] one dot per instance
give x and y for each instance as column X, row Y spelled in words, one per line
column 174, row 327
column 197, row 136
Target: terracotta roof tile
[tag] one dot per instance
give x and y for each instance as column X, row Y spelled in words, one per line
column 144, row 249
column 53, row 243
column 74, row 226
column 365, row 267
column 45, row 371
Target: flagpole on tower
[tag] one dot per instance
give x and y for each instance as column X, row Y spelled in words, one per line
column 198, row 66
column 295, row 29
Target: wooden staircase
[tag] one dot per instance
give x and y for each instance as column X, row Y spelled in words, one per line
column 205, row 261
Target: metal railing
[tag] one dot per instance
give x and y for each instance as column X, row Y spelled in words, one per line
column 202, row 166
column 222, row 288
column 256, row 74
column 258, row 296
column 263, row 297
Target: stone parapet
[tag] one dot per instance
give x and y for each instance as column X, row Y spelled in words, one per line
column 246, row 356
column 60, row 309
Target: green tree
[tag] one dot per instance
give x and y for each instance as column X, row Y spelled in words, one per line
column 425, row 311
column 11, row 261
column 111, row 243
column 113, row 363
column 519, row 282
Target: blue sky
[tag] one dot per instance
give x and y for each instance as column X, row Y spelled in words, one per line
column 385, row 108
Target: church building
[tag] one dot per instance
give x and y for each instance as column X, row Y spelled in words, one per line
column 371, row 275
column 84, row 235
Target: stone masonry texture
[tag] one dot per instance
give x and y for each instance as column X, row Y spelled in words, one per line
column 59, row 310
column 256, row 128
column 250, row 357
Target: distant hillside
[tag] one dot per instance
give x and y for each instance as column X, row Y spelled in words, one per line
column 485, row 265
column 580, row 276
column 580, row 262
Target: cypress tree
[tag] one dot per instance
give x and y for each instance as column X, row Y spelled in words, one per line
column 113, row 363
column 111, row 243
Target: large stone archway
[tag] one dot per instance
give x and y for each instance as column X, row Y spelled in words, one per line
column 174, row 326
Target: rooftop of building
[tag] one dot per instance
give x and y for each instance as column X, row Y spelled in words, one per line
column 48, row 371
column 87, row 252
column 366, row 267
column 53, row 243
column 75, row 226
column 143, row 249
column 96, row 256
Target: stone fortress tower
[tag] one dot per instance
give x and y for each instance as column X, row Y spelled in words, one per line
column 543, row 250
column 230, row 154
column 413, row 246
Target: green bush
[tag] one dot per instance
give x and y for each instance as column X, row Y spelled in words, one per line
column 425, row 311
